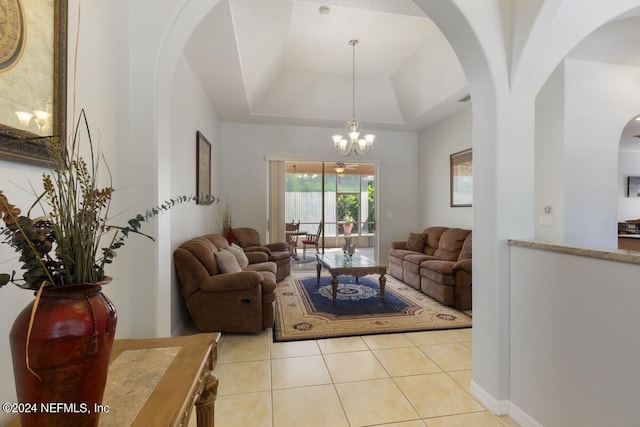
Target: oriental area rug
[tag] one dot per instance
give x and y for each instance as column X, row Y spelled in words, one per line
column 305, row 311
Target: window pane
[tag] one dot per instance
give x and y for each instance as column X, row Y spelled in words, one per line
column 349, row 183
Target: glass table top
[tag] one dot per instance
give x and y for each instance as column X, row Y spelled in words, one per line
column 341, row 260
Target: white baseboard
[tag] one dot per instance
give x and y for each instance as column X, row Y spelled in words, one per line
column 496, row 407
column 522, row 418
column 502, row 407
column 178, row 330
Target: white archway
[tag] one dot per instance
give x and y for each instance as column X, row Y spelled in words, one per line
column 629, row 167
column 503, row 85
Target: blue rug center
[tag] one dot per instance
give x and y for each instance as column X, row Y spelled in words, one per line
column 352, row 299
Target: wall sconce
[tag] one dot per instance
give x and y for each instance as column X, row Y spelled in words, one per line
column 41, row 119
column 24, row 118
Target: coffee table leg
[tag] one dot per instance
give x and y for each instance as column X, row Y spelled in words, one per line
column 318, row 268
column 334, row 288
column 382, row 281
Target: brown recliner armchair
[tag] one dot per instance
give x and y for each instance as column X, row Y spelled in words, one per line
column 225, row 302
column 249, row 240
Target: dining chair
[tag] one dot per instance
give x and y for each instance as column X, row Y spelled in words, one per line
column 312, row 240
column 292, row 232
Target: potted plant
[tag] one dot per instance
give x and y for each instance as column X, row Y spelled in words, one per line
column 61, row 342
column 348, row 224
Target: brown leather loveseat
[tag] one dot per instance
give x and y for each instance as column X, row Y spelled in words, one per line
column 437, row 262
column 221, row 295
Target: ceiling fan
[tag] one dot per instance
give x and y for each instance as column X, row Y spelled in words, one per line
column 341, row 167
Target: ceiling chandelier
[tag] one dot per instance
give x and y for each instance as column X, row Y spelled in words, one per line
column 352, row 143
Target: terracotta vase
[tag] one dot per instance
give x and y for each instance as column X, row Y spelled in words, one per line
column 69, row 349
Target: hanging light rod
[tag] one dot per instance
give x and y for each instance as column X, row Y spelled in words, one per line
column 352, row 143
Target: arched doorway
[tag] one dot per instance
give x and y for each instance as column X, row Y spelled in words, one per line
column 629, row 187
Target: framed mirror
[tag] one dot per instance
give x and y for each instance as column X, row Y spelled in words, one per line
column 33, row 76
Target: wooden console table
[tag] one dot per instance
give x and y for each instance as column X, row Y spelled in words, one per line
column 157, row 381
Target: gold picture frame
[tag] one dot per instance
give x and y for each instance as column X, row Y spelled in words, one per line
column 203, row 170
column 33, row 80
column 461, row 178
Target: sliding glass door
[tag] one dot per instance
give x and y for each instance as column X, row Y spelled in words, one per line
column 337, row 194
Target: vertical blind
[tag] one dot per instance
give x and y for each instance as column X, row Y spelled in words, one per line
column 276, row 202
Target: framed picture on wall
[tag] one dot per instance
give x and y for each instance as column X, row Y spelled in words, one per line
column 203, row 169
column 461, row 178
column 633, row 186
column 33, row 77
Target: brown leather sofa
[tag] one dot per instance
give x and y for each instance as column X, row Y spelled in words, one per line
column 249, row 240
column 437, row 262
column 239, row 301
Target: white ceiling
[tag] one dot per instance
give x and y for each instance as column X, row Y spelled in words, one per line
column 283, row 62
column 616, row 42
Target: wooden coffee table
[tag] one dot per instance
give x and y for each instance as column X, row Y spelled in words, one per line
column 357, row 266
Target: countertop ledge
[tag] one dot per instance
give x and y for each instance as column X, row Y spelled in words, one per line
column 630, row 257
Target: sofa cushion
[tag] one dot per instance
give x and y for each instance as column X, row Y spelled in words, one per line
column 416, row 259
column 238, row 252
column 438, row 271
column 442, row 267
column 247, row 237
column 465, row 252
column 450, row 244
column 263, row 266
column 433, row 238
column 218, row 240
column 397, row 255
column 416, row 242
column 227, row 262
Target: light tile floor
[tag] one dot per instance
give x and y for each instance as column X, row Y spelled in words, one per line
column 413, row 379
column 409, row 380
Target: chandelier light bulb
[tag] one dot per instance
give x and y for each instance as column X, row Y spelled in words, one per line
column 336, row 140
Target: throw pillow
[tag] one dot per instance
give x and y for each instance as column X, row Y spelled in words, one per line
column 416, row 242
column 227, row 262
column 238, row 252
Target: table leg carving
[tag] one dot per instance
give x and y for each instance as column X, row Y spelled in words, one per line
column 334, row 288
column 206, row 401
column 382, row 282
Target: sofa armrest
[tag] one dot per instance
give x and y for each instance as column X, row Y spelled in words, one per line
column 277, row 247
column 257, row 257
column 399, row 245
column 462, row 265
column 243, row 280
column 257, row 249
